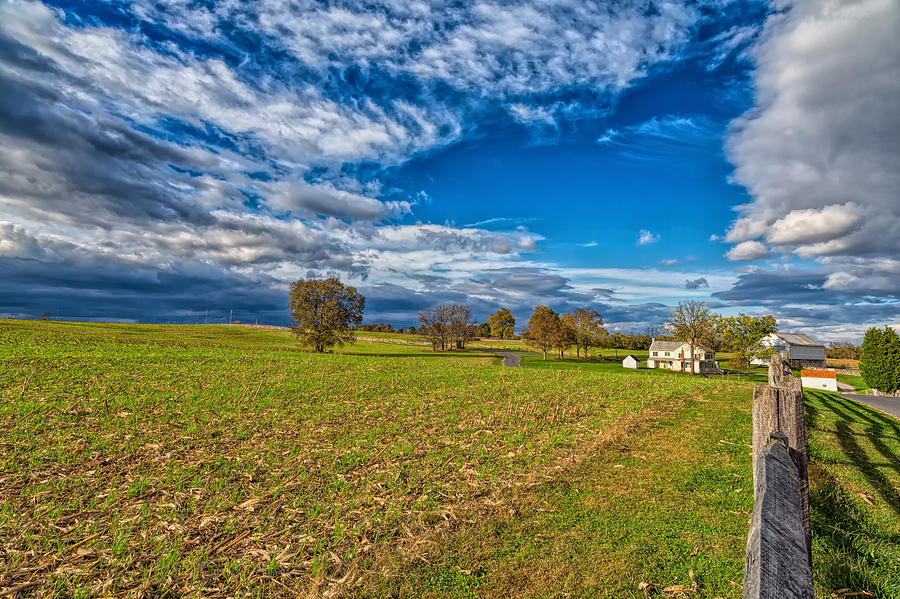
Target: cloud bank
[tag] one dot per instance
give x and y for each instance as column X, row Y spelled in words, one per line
column 819, row 154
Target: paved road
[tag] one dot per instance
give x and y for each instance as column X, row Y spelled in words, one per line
column 891, row 405
column 511, row 360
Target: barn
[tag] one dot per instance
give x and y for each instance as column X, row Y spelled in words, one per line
column 803, row 350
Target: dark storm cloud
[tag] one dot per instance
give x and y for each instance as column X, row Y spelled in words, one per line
column 778, row 287
column 536, row 282
column 115, row 289
column 696, row 283
column 74, row 167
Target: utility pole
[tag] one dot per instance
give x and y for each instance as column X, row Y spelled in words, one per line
column 206, row 318
column 230, row 315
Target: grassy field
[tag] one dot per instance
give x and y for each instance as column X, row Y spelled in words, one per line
column 222, row 461
column 610, row 365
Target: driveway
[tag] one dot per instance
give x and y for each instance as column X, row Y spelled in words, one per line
column 510, row 359
column 891, row 405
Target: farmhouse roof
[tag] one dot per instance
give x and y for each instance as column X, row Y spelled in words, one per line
column 818, row 374
column 674, row 345
column 798, row 339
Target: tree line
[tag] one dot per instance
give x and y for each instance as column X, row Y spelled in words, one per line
column 325, row 313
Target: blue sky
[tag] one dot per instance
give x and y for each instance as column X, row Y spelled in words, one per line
column 158, row 159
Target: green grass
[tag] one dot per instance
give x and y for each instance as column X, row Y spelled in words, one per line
column 211, row 456
column 183, row 459
column 854, row 455
column 611, row 365
column 859, row 384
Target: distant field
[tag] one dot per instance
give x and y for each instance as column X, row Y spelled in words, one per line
column 839, row 363
column 608, row 364
column 223, row 461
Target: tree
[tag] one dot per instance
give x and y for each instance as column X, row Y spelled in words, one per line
column 879, row 362
column 743, row 333
column 586, row 327
column 564, row 338
column 461, row 330
column 543, row 329
column 503, row 324
column 692, row 322
column 843, row 351
column 447, row 325
column 617, row 341
column 484, row 330
column 436, row 324
column 323, row 310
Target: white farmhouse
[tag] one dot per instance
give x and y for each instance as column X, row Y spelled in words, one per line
column 675, row 355
column 803, row 350
column 631, row 362
column 819, row 379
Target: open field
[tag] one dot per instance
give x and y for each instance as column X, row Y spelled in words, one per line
column 222, row 461
column 610, row 365
column 211, row 457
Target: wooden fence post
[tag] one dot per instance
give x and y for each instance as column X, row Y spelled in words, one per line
column 780, row 409
column 776, row 565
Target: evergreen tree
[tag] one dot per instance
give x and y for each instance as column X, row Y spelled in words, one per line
column 891, row 342
column 879, row 362
column 870, row 358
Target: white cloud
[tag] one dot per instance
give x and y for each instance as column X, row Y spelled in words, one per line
column 17, row 242
column 812, row 225
column 748, row 250
column 532, row 115
column 485, row 47
column 819, row 153
column 646, row 237
column 744, row 229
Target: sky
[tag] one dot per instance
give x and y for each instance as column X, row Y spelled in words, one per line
column 165, row 160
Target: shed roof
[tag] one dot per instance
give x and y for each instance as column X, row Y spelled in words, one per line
column 818, row 374
column 798, row 339
column 633, row 357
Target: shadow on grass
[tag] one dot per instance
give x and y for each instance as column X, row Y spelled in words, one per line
column 876, row 425
column 857, row 553
column 413, row 355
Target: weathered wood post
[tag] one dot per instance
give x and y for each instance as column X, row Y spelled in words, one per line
column 776, row 565
column 780, row 409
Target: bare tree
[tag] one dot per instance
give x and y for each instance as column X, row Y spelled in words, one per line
column 460, row 325
column 691, row 322
column 434, row 327
column 448, row 326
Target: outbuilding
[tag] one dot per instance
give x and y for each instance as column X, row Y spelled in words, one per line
column 631, row 362
column 825, row 380
column 803, row 350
